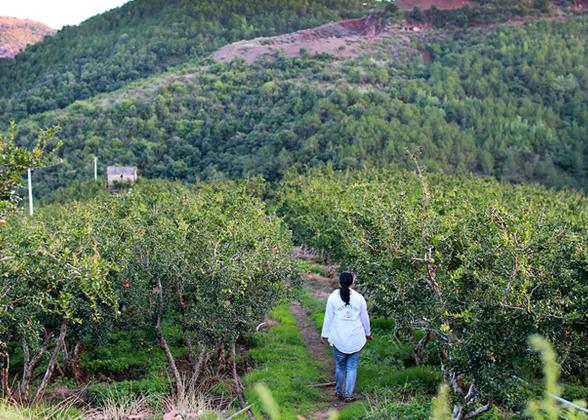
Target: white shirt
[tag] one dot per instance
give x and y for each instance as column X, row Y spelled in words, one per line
column 346, row 326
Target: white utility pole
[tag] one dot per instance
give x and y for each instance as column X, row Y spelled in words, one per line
column 30, row 193
column 95, row 168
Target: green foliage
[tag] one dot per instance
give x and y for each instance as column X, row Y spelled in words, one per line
column 547, row 408
column 486, row 12
column 122, row 353
column 506, row 102
column 76, row 191
column 477, row 264
column 55, row 278
column 141, row 38
column 574, row 392
column 15, row 161
column 165, row 265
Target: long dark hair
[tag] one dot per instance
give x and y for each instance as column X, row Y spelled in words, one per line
column 345, row 280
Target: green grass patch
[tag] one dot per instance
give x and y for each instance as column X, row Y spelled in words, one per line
column 388, row 404
column 417, row 379
column 310, row 267
column 152, row 388
column 284, row 366
column 315, row 309
column 387, row 350
column 131, row 353
column 354, row 410
column 46, row 412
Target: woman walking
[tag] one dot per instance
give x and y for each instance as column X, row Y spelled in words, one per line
column 347, row 327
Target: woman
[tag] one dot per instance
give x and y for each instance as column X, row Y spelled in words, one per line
column 347, row 327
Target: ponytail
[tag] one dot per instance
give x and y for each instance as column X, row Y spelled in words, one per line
column 345, row 280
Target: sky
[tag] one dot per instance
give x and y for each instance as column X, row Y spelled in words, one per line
column 57, row 13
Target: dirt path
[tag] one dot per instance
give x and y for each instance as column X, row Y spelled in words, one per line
column 323, row 358
column 320, row 286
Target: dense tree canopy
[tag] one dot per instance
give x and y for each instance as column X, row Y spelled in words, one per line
column 477, row 267
column 509, row 103
column 141, row 38
column 209, row 260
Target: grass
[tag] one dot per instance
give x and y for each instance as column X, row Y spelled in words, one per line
column 310, row 267
column 56, row 412
column 284, row 366
column 314, row 308
column 131, row 353
column 150, row 388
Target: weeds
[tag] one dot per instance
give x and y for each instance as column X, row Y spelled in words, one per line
column 284, row 366
column 45, row 412
column 115, row 408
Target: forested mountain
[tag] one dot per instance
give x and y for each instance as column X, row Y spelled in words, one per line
column 510, row 102
column 15, row 34
column 502, row 99
column 141, row 38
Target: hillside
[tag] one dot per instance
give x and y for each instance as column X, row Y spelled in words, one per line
column 144, row 37
column 338, row 39
column 15, row 34
column 485, row 101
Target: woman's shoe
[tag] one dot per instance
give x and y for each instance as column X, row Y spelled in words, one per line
column 340, row 397
column 350, row 399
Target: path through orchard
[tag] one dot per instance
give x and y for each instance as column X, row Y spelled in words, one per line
column 320, row 286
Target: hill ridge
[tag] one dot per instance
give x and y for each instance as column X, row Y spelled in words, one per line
column 16, row 34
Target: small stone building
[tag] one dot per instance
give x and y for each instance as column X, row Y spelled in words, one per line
column 121, row 174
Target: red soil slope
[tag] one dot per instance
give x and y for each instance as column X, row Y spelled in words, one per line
column 340, row 39
column 427, row 4
column 15, row 34
column 352, row 38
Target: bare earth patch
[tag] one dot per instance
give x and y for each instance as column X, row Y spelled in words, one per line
column 323, row 359
column 341, row 39
column 427, row 4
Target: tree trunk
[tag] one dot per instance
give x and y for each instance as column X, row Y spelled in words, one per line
column 180, row 389
column 190, row 345
column 465, row 408
column 6, row 391
column 29, row 365
column 71, row 361
column 52, row 363
column 197, row 368
column 197, row 361
column 417, row 353
column 75, row 361
column 238, row 386
column 65, row 361
column 222, row 360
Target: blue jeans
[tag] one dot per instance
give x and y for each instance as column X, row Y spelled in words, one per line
column 346, row 371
